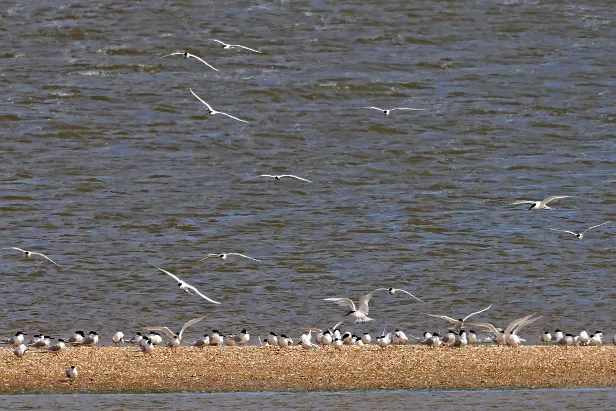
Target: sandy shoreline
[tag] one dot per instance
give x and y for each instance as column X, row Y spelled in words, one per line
column 121, row 369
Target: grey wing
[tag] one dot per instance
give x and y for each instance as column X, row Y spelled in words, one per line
column 167, row 55
column 201, row 100
column 484, row 325
column 562, row 231
column 235, row 118
column 44, row 256
column 406, row 292
column 201, row 295
column 406, row 108
column 595, row 226
column 343, row 302
column 363, row 303
column 552, row 198
column 266, row 175
column 15, row 248
column 444, row 317
column 525, row 323
column 478, row 312
column 167, row 272
column 514, row 323
column 292, row 176
column 189, row 323
column 203, row 61
column 242, row 255
column 167, row 331
column 247, row 48
column 374, row 108
column 218, row 41
column 523, row 202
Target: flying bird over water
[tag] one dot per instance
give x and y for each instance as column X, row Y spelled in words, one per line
column 579, row 235
column 360, row 314
column 230, row 46
column 223, row 256
column 30, row 254
column 387, row 112
column 213, row 112
column 393, row 291
column 186, row 56
column 279, row 177
column 539, row 205
column 179, row 335
column 459, row 323
column 184, row 286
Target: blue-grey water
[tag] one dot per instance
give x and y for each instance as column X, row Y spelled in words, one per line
column 107, row 162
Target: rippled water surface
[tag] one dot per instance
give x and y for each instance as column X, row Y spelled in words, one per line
column 107, row 162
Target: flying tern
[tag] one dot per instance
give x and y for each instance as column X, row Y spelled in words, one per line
column 359, row 314
column 171, row 334
column 387, row 112
column 579, row 235
column 393, row 291
column 539, row 205
column 30, row 254
column 279, row 177
column 459, row 323
column 184, row 286
column 223, row 256
column 230, row 46
column 186, row 56
column 213, row 112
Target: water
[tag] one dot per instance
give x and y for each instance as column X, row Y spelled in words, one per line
column 107, row 161
column 367, row 400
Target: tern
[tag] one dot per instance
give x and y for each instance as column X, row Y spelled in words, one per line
column 90, row 339
column 387, row 112
column 459, row 323
column 326, row 338
column 30, row 254
column 338, row 343
column 283, row 341
column 366, row 339
column 171, row 334
column 400, row 338
column 278, row 177
column 546, row 337
column 213, row 112
column 155, row 338
column 77, row 338
column 306, row 338
column 230, row 46
column 511, row 333
column 558, row 334
column 147, row 347
column 359, row 314
column 393, row 291
column 184, row 286
column 216, row 338
column 136, row 339
column 203, row 341
column 17, row 339
column 57, row 347
column 461, row 341
column 43, row 342
column 272, row 338
column 539, row 205
column 472, row 337
column 20, row 350
column 72, row 372
column 584, row 338
column 596, row 339
column 118, row 337
column 186, row 56
column 242, row 338
column 223, row 256
column 579, row 235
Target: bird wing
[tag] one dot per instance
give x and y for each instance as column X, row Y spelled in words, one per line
column 292, row 176
column 406, row 108
column 342, row 302
column 167, row 331
column 203, row 61
column 244, row 47
column 484, row 325
column 336, row 326
column 374, row 108
column 523, row 202
column 175, row 277
column 525, row 323
column 266, row 175
column 242, row 255
column 514, row 323
column 562, row 231
column 478, row 312
column 363, row 303
column 201, row 100
column 218, row 41
column 15, row 248
column 552, row 198
column 206, row 257
column 201, row 295
column 188, row 324
column 444, row 317
column 44, row 256
column 167, row 55
column 406, row 292
column 234, row 118
column 595, row 226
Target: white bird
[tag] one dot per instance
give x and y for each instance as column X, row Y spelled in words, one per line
column 223, row 256
column 567, row 340
column 306, row 338
column 136, row 339
column 57, row 347
column 387, row 112
column 213, row 112
column 558, row 335
column 203, row 341
column 461, row 341
column 175, row 342
column 118, row 337
column 77, row 338
column 229, row 46
column 400, row 338
column 326, row 338
column 359, row 314
column 90, row 339
column 366, row 339
column 338, row 343
column 278, row 177
column 539, row 205
column 186, row 56
column 30, row 254
column 283, row 341
column 216, row 338
column 436, row 340
column 148, row 346
column 459, row 323
column 472, row 337
column 449, row 338
column 171, row 334
column 584, row 338
column 17, row 339
column 272, row 338
column 20, row 350
column 155, row 338
column 393, row 291
column 384, row 340
column 242, row 338
column 42, row 342
column 347, row 337
column 596, row 339
column 184, row 286
column 546, row 337
column 511, row 332
column 578, row 235
column 72, row 372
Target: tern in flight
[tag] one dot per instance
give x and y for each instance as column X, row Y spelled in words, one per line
column 387, row 112
column 186, row 56
column 278, row 177
column 30, row 254
column 230, row 46
column 459, row 323
column 171, row 334
column 393, row 291
column 223, row 256
column 184, row 286
column 579, row 235
column 539, row 205
column 213, row 112
column 359, row 314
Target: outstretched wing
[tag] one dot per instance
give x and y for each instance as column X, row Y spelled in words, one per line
column 374, row 108
column 552, row 198
column 266, row 175
column 523, row 202
column 406, row 292
column 201, row 295
column 406, row 108
column 168, row 273
column 203, row 61
column 201, row 100
column 218, row 41
column 244, row 47
column 589, row 228
column 484, row 325
column 563, row 231
column 167, row 55
column 44, row 256
column 292, row 176
column 188, row 324
column 363, row 303
column 242, row 255
column 478, row 312
column 342, row 302
column 514, row 323
column 444, row 317
column 525, row 323
column 206, row 257
column 167, row 331
column 234, row 118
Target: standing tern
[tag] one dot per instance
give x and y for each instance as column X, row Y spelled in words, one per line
column 393, row 291
column 186, row 56
column 359, row 314
column 278, row 177
column 72, row 372
column 230, row 46
column 387, row 112
column 223, row 256
column 459, row 323
column 20, row 350
column 539, row 205
column 57, row 347
column 30, row 254
column 579, row 235
column 213, row 112
column 118, row 337
column 171, row 334
column 184, row 286
column 17, row 339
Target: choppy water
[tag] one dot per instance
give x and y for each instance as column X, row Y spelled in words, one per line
column 108, row 161
column 367, row 400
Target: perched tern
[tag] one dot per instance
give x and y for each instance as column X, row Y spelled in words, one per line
column 213, row 112
column 306, row 338
column 393, row 291
column 284, row 341
column 216, row 338
column 511, row 332
column 136, row 339
column 460, row 341
column 472, row 337
column 147, row 347
column 449, row 338
column 57, row 347
column 278, row 177
column 175, row 342
column 558, row 334
column 30, row 254
column 584, row 339
column 459, row 323
column 387, row 112
column 242, row 338
column 223, row 256
column 186, row 56
column 546, row 338
column 359, row 314
column 171, row 334
column 567, row 340
column 579, row 235
column 230, row 46
column 77, row 338
column 366, row 339
column 272, row 339
column 327, row 338
column 203, row 341
column 43, row 342
column 20, row 350
column 539, row 205
column 72, row 372
column 338, row 343
column 184, row 286
column 400, row 338
column 17, row 339
column 155, row 338
column 118, row 337
column 596, row 339
column 90, row 339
